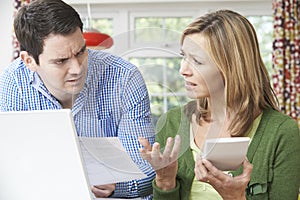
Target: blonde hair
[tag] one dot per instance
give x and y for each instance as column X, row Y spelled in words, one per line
column 233, row 46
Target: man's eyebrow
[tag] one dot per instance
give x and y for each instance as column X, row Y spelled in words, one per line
column 65, row 58
column 54, row 60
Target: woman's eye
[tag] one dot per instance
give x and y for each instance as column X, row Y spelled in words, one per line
column 197, row 62
column 182, row 55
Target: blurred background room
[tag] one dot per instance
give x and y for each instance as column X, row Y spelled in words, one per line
column 147, row 33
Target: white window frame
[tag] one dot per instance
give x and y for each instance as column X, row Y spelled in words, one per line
column 124, row 13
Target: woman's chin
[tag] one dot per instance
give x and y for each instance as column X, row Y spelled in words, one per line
column 191, row 95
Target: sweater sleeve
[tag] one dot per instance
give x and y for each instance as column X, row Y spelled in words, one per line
column 286, row 166
column 164, row 129
column 159, row 194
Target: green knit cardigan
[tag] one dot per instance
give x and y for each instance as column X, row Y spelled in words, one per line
column 274, row 152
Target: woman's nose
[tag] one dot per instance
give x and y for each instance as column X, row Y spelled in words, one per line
column 185, row 69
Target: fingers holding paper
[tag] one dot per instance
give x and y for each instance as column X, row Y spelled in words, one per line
column 227, row 186
column 103, row 191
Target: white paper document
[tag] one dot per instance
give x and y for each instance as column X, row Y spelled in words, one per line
column 107, row 161
column 226, row 153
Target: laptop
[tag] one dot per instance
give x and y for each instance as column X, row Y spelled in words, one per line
column 40, row 157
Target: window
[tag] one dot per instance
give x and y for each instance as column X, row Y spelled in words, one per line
column 103, row 25
column 166, row 87
column 165, row 29
column 163, row 81
column 148, row 35
column 161, row 72
column 264, row 29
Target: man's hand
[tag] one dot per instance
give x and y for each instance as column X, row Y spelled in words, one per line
column 103, row 191
column 228, row 187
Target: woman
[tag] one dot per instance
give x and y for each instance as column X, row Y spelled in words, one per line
column 224, row 73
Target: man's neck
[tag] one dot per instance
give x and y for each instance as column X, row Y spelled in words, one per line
column 68, row 102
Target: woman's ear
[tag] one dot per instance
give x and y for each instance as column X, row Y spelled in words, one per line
column 28, row 60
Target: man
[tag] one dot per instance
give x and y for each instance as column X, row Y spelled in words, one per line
column 107, row 94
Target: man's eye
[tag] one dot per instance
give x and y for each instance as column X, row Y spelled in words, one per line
column 59, row 62
column 80, row 53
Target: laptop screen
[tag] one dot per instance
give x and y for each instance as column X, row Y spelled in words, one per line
column 40, row 157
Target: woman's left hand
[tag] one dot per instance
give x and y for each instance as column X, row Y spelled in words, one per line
column 228, row 187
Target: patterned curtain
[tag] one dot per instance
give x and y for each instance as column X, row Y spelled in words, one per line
column 17, row 5
column 286, row 56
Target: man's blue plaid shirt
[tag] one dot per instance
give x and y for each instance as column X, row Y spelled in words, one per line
column 113, row 103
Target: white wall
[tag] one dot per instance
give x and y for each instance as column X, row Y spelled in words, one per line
column 6, row 24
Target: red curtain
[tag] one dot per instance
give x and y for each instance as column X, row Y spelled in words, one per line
column 286, row 56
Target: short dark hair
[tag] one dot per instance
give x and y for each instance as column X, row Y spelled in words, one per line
column 35, row 21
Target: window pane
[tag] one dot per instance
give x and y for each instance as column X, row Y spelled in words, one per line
column 159, row 29
column 264, row 29
column 157, row 107
column 177, row 100
column 174, row 79
column 177, row 25
column 164, row 83
column 145, row 22
column 161, row 74
column 103, row 25
column 151, row 70
column 148, row 29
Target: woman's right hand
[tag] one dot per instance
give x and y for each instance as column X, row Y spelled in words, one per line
column 165, row 164
column 228, row 187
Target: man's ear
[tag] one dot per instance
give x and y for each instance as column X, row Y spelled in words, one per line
column 28, row 60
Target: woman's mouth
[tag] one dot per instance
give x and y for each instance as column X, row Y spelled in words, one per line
column 189, row 85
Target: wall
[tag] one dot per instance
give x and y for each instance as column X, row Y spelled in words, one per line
column 6, row 49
